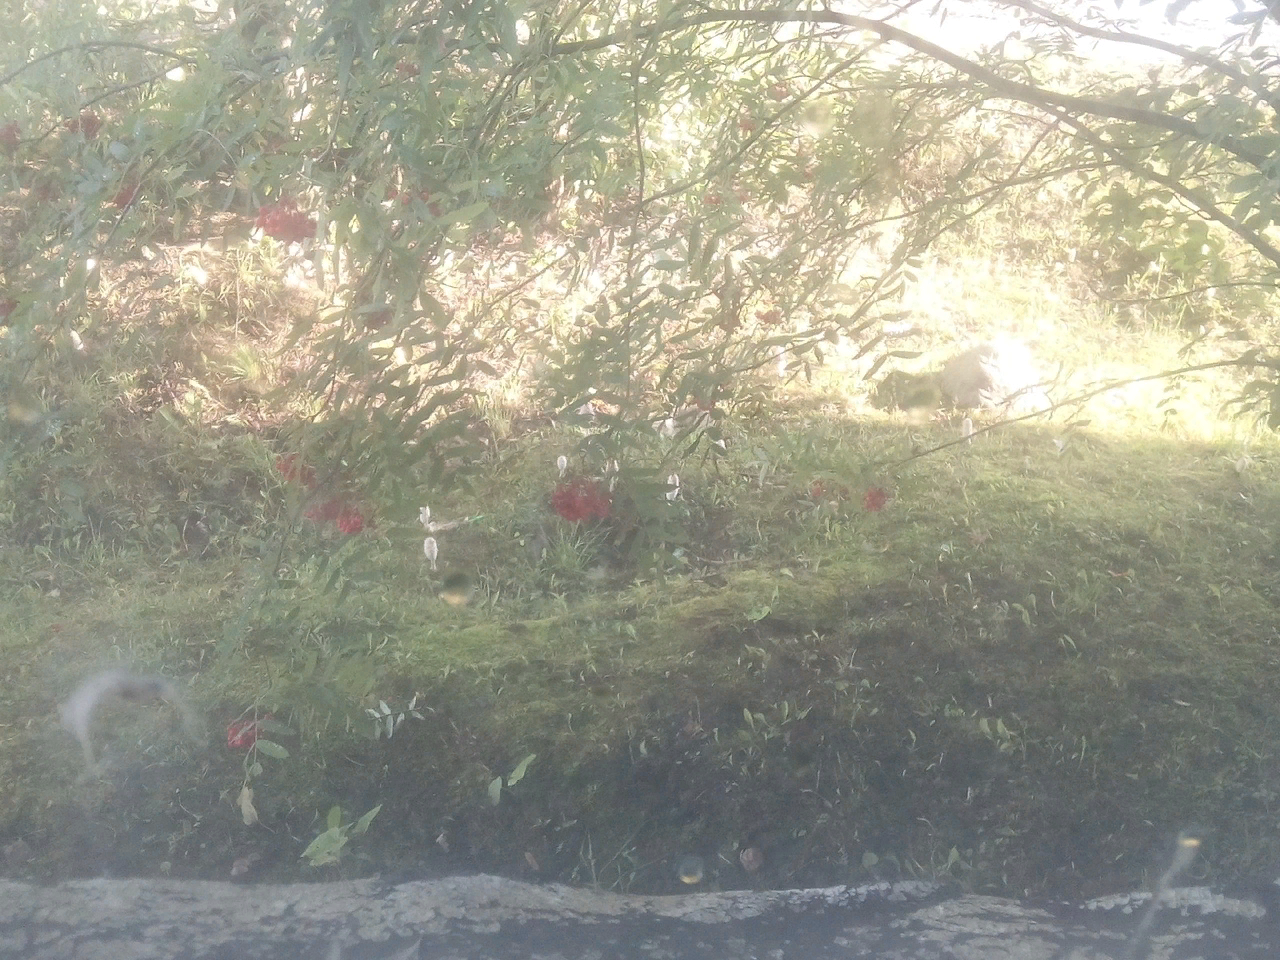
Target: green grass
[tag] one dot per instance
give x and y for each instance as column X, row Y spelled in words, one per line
column 1050, row 651
column 1023, row 674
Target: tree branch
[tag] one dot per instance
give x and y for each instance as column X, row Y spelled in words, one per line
column 91, row 47
column 1048, row 100
column 1194, row 198
column 1182, row 53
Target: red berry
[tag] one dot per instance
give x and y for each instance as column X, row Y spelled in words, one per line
column 291, row 467
column 350, row 520
column 769, row 318
column 285, row 222
column 243, row 734
column 88, row 123
column 581, row 499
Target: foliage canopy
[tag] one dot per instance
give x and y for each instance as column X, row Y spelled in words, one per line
column 643, row 203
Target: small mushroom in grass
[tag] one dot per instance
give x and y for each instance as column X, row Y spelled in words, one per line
column 562, row 464
column 751, row 859
column 431, row 550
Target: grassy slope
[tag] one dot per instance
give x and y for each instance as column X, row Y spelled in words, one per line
column 1051, row 650
column 1025, row 673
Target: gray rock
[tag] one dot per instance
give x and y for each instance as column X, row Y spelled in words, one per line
column 470, row 918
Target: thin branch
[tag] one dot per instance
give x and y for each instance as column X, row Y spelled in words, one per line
column 1182, row 53
column 1269, row 284
column 1048, row 100
column 731, row 160
column 106, row 94
column 92, row 47
column 1194, row 198
column 1076, row 401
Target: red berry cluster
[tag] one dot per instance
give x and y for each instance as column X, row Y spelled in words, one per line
column 581, row 499
column 243, row 734
column 338, row 510
column 769, row 318
column 285, row 222
column 291, row 467
column 874, row 499
column 350, row 520
column 88, row 123
column 10, row 134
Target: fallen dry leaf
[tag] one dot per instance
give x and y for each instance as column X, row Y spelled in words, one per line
column 247, row 812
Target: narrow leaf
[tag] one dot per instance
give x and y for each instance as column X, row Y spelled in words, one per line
column 518, row 773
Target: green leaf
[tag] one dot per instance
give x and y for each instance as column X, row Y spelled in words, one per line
column 334, row 819
column 518, row 773
column 272, row 749
column 326, row 848
column 495, row 790
column 362, row 824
